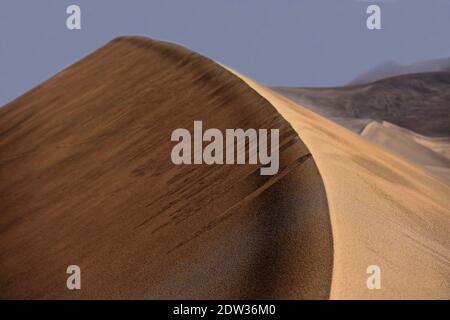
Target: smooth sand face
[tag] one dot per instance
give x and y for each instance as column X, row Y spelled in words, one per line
column 384, row 211
column 432, row 154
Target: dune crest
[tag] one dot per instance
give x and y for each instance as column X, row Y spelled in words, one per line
column 86, row 179
column 384, row 211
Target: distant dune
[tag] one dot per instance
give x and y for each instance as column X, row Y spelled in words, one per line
column 431, row 153
column 86, row 179
column 385, row 211
column 391, row 69
column 418, row 102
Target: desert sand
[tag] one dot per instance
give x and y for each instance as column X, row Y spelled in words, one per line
column 384, row 211
column 86, row 179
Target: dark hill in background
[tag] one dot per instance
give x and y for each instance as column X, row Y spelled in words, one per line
column 86, row 178
column 391, row 69
column 419, row 102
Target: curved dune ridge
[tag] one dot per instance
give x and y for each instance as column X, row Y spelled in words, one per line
column 385, row 211
column 418, row 102
column 86, row 179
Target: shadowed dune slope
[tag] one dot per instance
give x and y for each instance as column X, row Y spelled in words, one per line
column 86, row 179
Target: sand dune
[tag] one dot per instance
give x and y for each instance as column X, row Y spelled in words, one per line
column 86, row 179
column 431, row 153
column 418, row 101
column 440, row 145
column 384, row 211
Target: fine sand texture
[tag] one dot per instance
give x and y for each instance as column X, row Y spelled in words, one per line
column 86, row 179
column 385, row 211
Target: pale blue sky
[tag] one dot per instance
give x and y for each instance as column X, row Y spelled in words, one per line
column 276, row 42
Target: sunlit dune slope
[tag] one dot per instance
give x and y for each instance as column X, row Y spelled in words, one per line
column 384, row 211
column 86, row 179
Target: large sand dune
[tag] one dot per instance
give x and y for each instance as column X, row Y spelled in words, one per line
column 85, row 178
column 392, row 69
